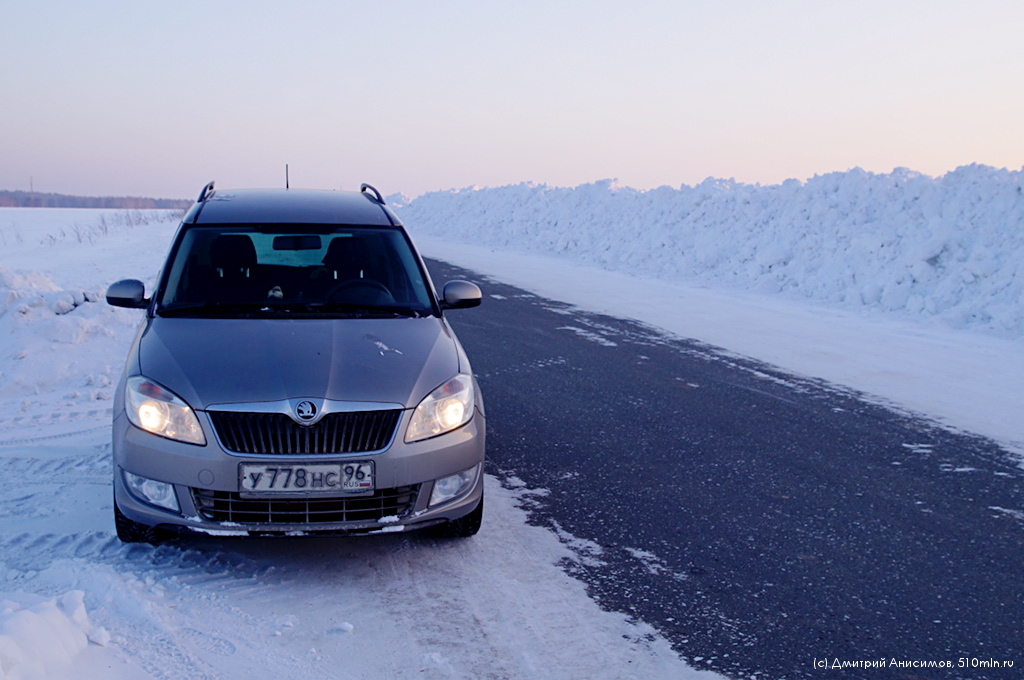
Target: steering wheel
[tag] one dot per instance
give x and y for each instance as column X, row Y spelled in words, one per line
column 361, row 291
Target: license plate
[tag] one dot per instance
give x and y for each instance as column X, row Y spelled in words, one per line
column 305, row 479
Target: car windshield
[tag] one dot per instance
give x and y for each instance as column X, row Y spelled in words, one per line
column 293, row 269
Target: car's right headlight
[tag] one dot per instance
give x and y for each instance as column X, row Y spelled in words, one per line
column 446, row 408
column 154, row 408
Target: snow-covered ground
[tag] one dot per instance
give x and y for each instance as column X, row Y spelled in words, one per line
column 76, row 603
column 903, row 287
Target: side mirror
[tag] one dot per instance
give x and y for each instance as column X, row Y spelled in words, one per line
column 127, row 293
column 460, row 295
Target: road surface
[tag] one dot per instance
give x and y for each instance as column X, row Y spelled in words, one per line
column 764, row 523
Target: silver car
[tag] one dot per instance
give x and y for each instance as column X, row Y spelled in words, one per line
column 295, row 373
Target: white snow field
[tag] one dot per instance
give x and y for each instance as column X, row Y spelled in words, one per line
column 901, row 286
column 76, row 603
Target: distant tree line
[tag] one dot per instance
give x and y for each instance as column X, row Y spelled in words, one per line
column 32, row 199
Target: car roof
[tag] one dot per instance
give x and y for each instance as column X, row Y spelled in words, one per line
column 290, row 206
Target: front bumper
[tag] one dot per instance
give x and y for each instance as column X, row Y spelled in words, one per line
column 206, row 485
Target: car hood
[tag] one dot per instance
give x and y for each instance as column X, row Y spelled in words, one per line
column 228, row 361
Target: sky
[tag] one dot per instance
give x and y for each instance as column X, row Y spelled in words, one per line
column 156, row 99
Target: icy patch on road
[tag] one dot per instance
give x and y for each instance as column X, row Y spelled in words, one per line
column 651, row 562
column 590, row 335
column 1015, row 514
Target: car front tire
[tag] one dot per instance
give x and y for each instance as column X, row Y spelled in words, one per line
column 465, row 526
column 130, row 531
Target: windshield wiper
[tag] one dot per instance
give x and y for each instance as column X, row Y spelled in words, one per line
column 213, row 307
column 210, row 306
column 360, row 308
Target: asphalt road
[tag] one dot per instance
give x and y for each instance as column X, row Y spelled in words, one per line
column 763, row 523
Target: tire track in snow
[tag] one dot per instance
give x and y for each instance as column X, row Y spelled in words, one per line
column 452, row 640
column 28, row 552
column 51, row 417
column 36, row 484
column 88, row 467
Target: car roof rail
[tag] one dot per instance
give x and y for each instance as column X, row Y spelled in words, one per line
column 369, row 187
column 205, row 193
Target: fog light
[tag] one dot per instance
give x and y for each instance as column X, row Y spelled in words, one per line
column 160, row 494
column 447, row 488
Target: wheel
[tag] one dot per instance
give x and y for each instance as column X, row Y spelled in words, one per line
column 130, row 531
column 465, row 526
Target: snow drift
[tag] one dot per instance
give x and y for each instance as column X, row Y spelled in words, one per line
column 40, row 636
column 948, row 248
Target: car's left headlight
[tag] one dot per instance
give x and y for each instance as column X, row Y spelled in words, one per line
column 154, row 408
column 448, row 407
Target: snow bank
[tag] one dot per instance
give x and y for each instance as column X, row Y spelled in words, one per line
column 46, row 329
column 950, row 248
column 39, row 637
column 27, row 292
column 62, row 346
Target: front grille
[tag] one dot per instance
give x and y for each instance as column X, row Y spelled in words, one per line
column 275, row 433
column 228, row 506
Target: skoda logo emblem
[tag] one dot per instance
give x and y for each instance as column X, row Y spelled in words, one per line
column 306, row 411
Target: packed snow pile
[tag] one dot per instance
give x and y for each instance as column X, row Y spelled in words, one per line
column 949, row 248
column 55, row 265
column 40, row 636
column 48, row 328
column 31, row 292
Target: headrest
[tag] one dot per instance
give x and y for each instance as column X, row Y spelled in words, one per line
column 232, row 251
